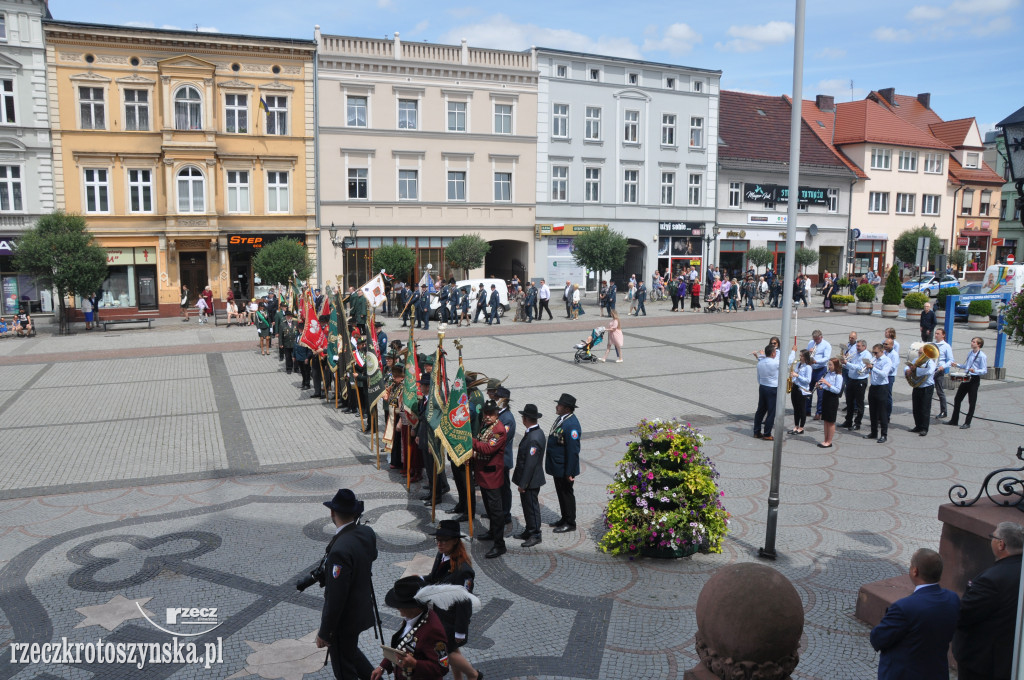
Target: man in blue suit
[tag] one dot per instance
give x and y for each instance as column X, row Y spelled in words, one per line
column 915, row 633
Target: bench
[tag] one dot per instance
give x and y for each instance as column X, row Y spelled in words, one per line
column 121, row 322
column 242, row 318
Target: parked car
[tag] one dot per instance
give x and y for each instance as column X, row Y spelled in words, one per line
column 929, row 283
column 960, row 314
column 464, row 287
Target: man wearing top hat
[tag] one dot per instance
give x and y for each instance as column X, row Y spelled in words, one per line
column 563, row 460
column 529, row 474
column 421, row 642
column 489, row 461
column 348, row 604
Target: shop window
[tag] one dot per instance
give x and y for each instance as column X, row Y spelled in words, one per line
column 118, row 290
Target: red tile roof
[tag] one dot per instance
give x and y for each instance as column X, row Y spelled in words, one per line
column 749, row 135
column 821, row 122
column 910, row 109
column 958, row 174
column 869, row 121
column 952, row 132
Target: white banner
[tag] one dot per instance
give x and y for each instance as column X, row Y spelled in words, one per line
column 373, row 291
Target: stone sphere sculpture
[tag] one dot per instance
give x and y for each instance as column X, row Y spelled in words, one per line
column 749, row 622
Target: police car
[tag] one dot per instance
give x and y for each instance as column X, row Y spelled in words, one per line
column 929, row 283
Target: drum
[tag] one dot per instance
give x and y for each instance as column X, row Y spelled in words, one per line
column 959, row 376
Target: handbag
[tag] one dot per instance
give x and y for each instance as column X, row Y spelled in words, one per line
column 828, row 303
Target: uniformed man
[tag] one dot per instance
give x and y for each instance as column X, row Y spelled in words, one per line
column 529, row 474
column 287, row 332
column 454, row 301
column 348, row 604
column 563, row 460
column 421, row 641
column 322, row 376
column 357, row 308
column 279, row 318
column 531, row 302
column 442, row 298
column 921, row 398
column 423, row 308
column 494, row 318
column 489, row 461
column 481, row 304
column 502, row 397
column 405, row 303
column 393, row 398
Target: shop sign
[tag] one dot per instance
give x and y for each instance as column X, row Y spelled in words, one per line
column 6, row 246
column 562, row 229
column 873, row 237
column 741, row 234
column 681, row 228
column 248, row 243
column 10, row 292
column 778, row 193
column 145, row 255
column 985, row 224
column 998, row 241
column 969, row 224
column 117, row 256
column 961, row 241
column 766, row 219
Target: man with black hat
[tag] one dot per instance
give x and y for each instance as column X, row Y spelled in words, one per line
column 529, row 474
column 348, row 588
column 287, row 331
column 405, row 295
column 438, row 479
column 421, row 642
column 489, row 457
column 563, row 460
column 423, row 308
column 442, row 298
column 495, row 303
column 454, row 301
column 502, row 396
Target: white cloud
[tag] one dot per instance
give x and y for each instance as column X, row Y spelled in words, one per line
column 419, row 28
column 500, row 32
column 171, row 27
column 944, row 22
column 755, row 38
column 463, row 12
column 838, row 88
column 676, row 39
column 831, row 53
column 926, row 13
column 889, row 34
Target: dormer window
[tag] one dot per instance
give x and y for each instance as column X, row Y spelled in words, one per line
column 971, row 159
column 188, row 107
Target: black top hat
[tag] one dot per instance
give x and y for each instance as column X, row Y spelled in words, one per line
column 424, row 379
column 448, row 528
column 345, row 503
column 490, row 406
column 531, row 412
column 567, row 400
column 502, row 393
column 403, row 594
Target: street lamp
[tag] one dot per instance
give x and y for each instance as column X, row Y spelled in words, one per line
column 710, row 237
column 1013, row 139
column 346, row 242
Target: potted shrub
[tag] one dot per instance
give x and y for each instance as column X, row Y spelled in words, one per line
column 892, row 294
column 665, row 500
column 841, row 302
column 914, row 302
column 978, row 313
column 1013, row 319
column 865, row 298
column 940, row 302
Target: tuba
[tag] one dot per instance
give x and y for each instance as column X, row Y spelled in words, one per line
column 927, row 351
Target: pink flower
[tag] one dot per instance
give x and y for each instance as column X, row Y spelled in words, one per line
column 650, row 475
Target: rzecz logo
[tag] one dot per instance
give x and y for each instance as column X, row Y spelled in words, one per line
column 182, row 617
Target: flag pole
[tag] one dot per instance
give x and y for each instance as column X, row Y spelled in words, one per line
column 408, row 457
column 376, row 436
column 469, row 483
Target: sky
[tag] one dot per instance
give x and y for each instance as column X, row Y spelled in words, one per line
column 966, row 53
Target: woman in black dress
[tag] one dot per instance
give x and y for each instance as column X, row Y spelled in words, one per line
column 831, row 384
column 450, row 591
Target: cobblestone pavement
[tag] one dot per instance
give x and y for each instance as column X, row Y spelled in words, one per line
column 147, row 470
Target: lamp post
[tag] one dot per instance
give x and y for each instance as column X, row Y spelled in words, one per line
column 1013, row 140
column 710, row 237
column 345, row 242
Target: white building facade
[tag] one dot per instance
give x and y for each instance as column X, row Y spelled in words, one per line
column 629, row 145
column 26, row 164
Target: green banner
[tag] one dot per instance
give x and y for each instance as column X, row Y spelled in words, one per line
column 374, row 366
column 410, row 395
column 456, row 432
column 437, row 403
column 332, row 340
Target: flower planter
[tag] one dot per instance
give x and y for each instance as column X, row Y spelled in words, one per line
column 660, row 553
column 890, row 311
column 940, row 316
column 840, row 307
column 914, row 315
column 865, row 307
column 977, row 322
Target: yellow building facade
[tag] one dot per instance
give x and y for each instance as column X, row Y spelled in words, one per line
column 186, row 152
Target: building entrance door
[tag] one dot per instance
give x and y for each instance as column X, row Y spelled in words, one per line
column 192, row 267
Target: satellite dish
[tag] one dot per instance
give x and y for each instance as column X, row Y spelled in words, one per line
column 813, row 230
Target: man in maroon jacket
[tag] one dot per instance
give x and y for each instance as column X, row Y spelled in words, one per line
column 489, row 462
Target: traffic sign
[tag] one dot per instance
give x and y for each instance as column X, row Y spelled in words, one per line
column 855, row 234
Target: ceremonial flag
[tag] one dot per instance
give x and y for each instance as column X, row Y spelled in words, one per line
column 314, row 336
column 437, row 402
column 332, row 336
column 373, row 291
column 455, row 432
column 374, row 375
column 410, row 392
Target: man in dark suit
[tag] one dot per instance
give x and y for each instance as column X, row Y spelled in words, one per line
column 983, row 644
column 563, row 461
column 493, row 300
column 928, row 323
column 529, row 474
column 914, row 634
column 348, row 604
column 501, row 395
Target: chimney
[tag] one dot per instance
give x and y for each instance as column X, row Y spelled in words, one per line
column 926, row 99
column 825, row 103
column 889, row 95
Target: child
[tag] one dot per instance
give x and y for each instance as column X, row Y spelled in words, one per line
column 202, row 307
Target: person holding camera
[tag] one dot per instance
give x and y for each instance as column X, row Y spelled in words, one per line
column 349, row 607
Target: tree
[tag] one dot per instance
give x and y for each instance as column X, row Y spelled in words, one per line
column 61, row 252
column 397, row 260
column 759, row 257
column 893, row 292
column 467, row 252
column 958, row 258
column 600, row 250
column 905, row 245
column 277, row 260
column 804, row 257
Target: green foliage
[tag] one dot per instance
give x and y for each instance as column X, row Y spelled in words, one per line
column 893, row 292
column 467, row 252
column 805, row 257
column 664, row 494
column 759, row 257
column 396, row 259
column 277, row 260
column 905, row 245
column 865, row 293
column 60, row 251
column 600, row 250
column 842, row 283
column 980, row 308
column 842, row 299
column 915, row 300
column 1013, row 319
column 959, row 258
column 940, row 297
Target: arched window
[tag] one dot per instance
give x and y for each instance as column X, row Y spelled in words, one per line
column 188, row 109
column 191, row 190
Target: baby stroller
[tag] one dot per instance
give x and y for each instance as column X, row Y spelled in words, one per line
column 712, row 302
column 583, row 347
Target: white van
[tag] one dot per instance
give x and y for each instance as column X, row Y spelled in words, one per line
column 465, row 285
column 1003, row 278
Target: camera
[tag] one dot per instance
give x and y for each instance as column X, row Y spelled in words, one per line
column 315, row 576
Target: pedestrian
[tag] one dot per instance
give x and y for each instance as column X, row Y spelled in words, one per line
column 263, row 330
column 975, row 366
column 481, row 304
column 984, row 639
column 184, row 303
column 602, row 298
column 726, row 289
column 529, row 474
column 694, row 294
column 614, row 329
column 208, row 296
column 631, row 296
column 455, row 296
column 767, row 388
column 421, row 642
column 577, row 308
column 762, row 290
column 567, row 297
column 442, row 299
column 827, row 291
column 914, row 635
column 544, row 300
column 673, row 293
column 531, row 302
column 800, row 373
column 348, row 589
column 562, row 460
column 857, row 372
column 452, row 577
column 878, row 394
column 831, row 385
column 201, row 306
column 301, row 356
column 87, row 312
column 821, row 351
column 495, row 303
column 921, row 398
column 942, row 365
column 641, row 299
column 928, row 323
column 489, row 463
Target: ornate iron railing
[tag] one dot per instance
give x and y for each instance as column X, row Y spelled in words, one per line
column 1009, row 487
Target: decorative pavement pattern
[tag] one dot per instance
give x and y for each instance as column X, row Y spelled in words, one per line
column 176, row 468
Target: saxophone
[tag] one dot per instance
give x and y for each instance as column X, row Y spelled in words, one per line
column 929, row 351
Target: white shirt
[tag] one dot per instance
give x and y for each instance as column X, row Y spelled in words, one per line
column 338, row 530
column 545, row 292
